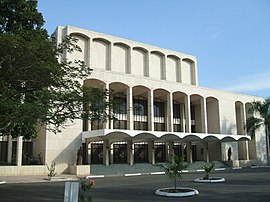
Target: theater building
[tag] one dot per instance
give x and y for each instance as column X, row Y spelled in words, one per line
column 162, row 110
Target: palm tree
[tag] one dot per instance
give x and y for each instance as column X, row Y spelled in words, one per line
column 208, row 169
column 262, row 109
column 174, row 168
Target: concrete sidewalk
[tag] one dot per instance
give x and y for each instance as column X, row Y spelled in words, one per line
column 36, row 178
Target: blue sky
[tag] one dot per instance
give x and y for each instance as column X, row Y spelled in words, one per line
column 230, row 38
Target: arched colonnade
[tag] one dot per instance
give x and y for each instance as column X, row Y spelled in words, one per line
column 158, row 110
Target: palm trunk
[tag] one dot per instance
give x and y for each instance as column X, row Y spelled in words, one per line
column 175, row 186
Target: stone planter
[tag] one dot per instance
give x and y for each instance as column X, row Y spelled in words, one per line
column 210, row 180
column 181, row 192
column 79, row 170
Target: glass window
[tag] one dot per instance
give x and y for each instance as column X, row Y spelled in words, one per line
column 140, row 106
column 159, row 108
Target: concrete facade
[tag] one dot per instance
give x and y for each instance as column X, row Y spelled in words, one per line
column 176, row 113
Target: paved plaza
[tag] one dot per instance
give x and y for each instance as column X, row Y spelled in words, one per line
column 245, row 184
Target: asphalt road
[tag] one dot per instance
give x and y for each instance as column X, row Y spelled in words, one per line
column 241, row 185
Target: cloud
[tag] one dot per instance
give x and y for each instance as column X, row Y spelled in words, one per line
column 251, row 83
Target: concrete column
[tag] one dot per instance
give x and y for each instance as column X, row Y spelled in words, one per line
column 111, row 152
column 147, row 62
column 169, row 122
column 129, row 60
column 205, row 152
column 129, row 109
column 110, row 111
column 245, row 132
column 89, row 56
column 203, row 115
column 19, row 151
column 110, row 57
column 9, row 152
column 170, row 150
column 178, row 72
column 106, row 153
column 150, row 102
column 88, row 152
column 130, row 151
column 107, row 124
column 151, row 152
column 242, row 120
column 182, row 151
column 188, row 114
column 182, row 116
column 189, row 152
column 164, row 65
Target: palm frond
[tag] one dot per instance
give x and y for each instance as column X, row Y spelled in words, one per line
column 252, row 124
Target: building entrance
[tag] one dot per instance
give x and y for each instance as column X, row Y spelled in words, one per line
column 119, row 153
column 160, row 153
column 97, row 153
column 140, row 153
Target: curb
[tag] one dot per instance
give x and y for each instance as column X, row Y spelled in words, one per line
column 22, row 179
column 162, row 172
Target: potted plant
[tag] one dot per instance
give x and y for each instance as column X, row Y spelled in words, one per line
column 173, row 170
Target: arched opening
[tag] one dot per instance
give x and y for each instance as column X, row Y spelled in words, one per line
column 252, row 143
column 140, row 62
column 213, row 119
column 157, row 69
column 101, row 57
column 240, row 129
column 173, row 70
column 119, row 99
column 161, row 111
column 197, row 114
column 213, row 126
column 95, row 123
column 83, row 43
column 179, row 112
column 188, row 71
column 123, row 61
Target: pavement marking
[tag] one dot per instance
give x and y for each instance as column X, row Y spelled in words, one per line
column 133, row 174
column 237, row 168
column 200, row 170
column 218, row 169
column 185, row 171
column 157, row 173
column 94, row 176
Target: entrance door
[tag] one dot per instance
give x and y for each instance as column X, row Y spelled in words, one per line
column 141, row 153
column 178, row 150
column 96, row 153
column 119, row 153
column 194, row 152
column 160, row 153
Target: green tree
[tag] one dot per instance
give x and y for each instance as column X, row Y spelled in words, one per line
column 36, row 87
column 174, row 169
column 208, row 169
column 261, row 110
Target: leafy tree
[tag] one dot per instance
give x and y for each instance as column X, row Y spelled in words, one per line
column 35, row 86
column 174, row 169
column 261, row 109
